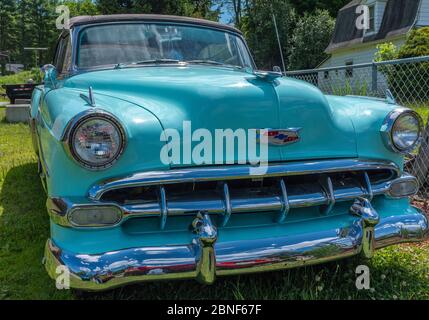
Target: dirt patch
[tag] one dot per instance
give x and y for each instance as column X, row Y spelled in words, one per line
column 421, row 203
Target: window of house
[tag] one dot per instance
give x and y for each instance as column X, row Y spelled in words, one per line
column 371, row 18
column 326, row 75
column 349, row 70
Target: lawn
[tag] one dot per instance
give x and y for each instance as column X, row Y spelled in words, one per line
column 399, row 272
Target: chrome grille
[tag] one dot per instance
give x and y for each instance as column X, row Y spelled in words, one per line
column 230, row 190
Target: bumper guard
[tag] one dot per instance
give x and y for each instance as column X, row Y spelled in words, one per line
column 205, row 258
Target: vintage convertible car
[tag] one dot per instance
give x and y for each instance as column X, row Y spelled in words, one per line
column 334, row 186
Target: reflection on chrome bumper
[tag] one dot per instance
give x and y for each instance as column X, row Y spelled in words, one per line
column 204, row 259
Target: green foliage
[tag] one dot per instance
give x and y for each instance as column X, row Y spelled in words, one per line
column 81, row 7
column 196, row 8
column 385, row 52
column 358, row 88
column 417, row 44
column 304, row 36
column 407, row 81
column 258, row 27
column 310, row 6
column 310, row 38
column 8, row 28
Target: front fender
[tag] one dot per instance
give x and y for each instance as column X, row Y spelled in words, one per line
column 368, row 116
column 66, row 177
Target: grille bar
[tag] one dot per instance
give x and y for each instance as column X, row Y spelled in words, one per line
column 215, row 190
column 242, row 203
column 226, row 173
column 285, row 202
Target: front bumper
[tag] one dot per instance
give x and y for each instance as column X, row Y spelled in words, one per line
column 204, row 258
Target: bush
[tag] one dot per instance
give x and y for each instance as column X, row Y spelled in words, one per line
column 310, row 38
column 417, row 44
column 386, row 51
column 408, row 81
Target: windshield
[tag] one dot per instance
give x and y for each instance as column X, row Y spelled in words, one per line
column 144, row 42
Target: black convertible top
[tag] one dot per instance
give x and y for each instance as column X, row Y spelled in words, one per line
column 86, row 20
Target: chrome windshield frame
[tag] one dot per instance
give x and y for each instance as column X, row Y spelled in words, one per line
column 75, row 33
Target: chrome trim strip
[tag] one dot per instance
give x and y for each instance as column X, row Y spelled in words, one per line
column 102, row 271
column 368, row 186
column 163, row 207
column 327, row 186
column 227, row 200
column 285, row 203
column 224, row 173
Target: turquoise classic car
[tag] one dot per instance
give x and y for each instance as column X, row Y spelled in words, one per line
column 122, row 87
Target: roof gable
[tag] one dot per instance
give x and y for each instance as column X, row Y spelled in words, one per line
column 398, row 18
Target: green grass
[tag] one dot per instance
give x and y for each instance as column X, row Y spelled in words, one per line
column 423, row 110
column 399, row 272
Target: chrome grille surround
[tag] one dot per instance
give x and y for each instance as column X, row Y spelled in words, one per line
column 357, row 180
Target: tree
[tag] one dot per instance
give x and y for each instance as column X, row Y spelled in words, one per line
column 258, row 27
column 36, row 29
column 310, row 6
column 310, row 38
column 8, row 29
column 81, row 7
column 195, row 8
column 417, row 44
column 407, row 81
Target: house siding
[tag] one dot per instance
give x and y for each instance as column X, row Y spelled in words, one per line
column 380, row 5
column 423, row 19
column 361, row 80
column 357, row 54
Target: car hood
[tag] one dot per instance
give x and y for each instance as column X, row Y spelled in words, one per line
column 221, row 98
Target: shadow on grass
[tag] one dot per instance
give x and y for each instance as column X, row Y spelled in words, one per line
column 24, row 228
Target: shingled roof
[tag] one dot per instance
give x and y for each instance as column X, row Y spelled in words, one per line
column 399, row 17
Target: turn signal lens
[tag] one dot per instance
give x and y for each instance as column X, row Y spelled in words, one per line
column 404, row 188
column 95, row 216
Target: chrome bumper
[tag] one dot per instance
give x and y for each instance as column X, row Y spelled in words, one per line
column 204, row 258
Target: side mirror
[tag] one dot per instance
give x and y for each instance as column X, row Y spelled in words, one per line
column 50, row 75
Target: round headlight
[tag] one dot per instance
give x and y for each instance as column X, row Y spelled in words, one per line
column 97, row 140
column 402, row 130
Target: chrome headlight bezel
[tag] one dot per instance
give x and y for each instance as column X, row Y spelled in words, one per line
column 82, row 118
column 387, row 130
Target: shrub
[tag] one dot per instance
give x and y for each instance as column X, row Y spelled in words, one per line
column 408, row 81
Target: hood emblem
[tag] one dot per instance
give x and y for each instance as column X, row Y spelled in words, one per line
column 281, row 137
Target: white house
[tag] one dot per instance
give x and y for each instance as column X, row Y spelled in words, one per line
column 390, row 21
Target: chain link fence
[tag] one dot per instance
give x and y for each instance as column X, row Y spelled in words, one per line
column 407, row 80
